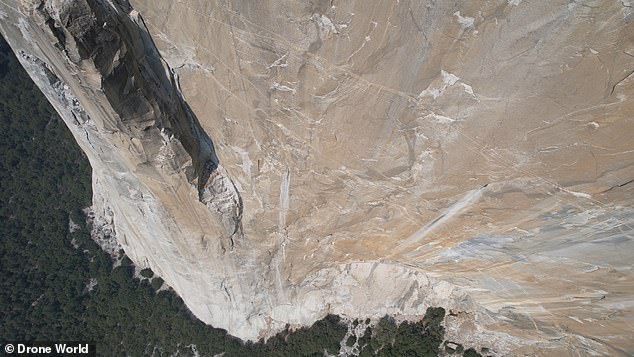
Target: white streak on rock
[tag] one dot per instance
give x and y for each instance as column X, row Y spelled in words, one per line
column 448, row 80
column 246, row 161
column 282, row 88
column 284, row 193
column 452, row 211
column 579, row 194
column 441, row 119
column 325, row 25
column 280, row 62
column 464, row 21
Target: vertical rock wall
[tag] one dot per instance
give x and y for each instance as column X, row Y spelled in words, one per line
column 360, row 157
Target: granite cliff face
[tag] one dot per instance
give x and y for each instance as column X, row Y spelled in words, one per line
column 275, row 161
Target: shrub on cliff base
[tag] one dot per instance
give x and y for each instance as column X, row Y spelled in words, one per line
column 157, row 283
column 147, row 273
column 471, row 353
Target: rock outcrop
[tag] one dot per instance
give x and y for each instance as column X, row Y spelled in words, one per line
column 275, row 161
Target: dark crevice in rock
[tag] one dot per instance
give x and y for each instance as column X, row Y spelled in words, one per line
column 618, row 186
column 144, row 92
column 59, row 34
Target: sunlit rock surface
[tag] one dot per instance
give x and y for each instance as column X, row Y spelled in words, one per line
column 361, row 157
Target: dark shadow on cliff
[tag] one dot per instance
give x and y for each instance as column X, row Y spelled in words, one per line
column 144, row 92
column 137, row 81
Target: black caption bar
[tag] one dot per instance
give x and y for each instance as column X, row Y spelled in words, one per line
column 56, row 348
